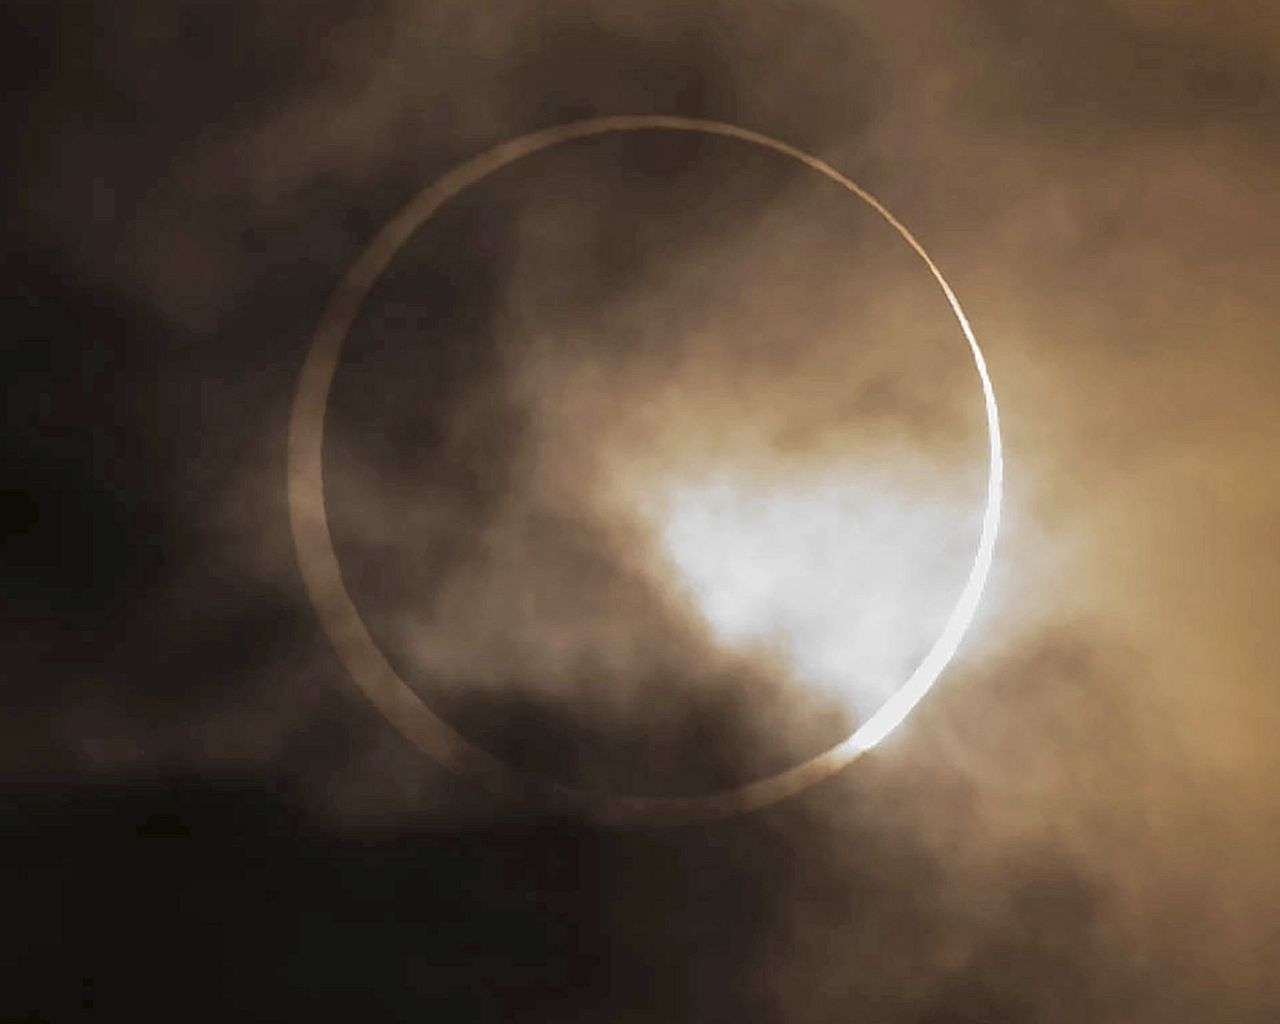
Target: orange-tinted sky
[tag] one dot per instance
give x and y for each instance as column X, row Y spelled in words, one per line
column 649, row 461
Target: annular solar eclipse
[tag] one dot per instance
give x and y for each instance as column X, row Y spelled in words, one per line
column 366, row 663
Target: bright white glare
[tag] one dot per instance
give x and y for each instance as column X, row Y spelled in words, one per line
column 841, row 578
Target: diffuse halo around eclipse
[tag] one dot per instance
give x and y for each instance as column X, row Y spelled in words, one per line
column 364, row 660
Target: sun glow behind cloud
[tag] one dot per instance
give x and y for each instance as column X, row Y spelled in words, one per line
column 839, row 578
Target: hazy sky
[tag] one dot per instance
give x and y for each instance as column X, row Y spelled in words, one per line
column 651, row 463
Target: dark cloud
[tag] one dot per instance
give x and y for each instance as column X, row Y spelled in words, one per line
column 204, row 815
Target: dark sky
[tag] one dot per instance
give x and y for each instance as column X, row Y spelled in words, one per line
column 201, row 815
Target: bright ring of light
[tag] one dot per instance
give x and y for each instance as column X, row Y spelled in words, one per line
column 365, row 661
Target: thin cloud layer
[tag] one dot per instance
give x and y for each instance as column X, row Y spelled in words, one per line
column 548, row 409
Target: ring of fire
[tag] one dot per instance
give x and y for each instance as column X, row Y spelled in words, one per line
column 364, row 660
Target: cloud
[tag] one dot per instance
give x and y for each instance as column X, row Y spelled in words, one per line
column 1079, row 825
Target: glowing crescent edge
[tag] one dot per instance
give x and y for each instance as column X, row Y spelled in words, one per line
column 364, row 660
